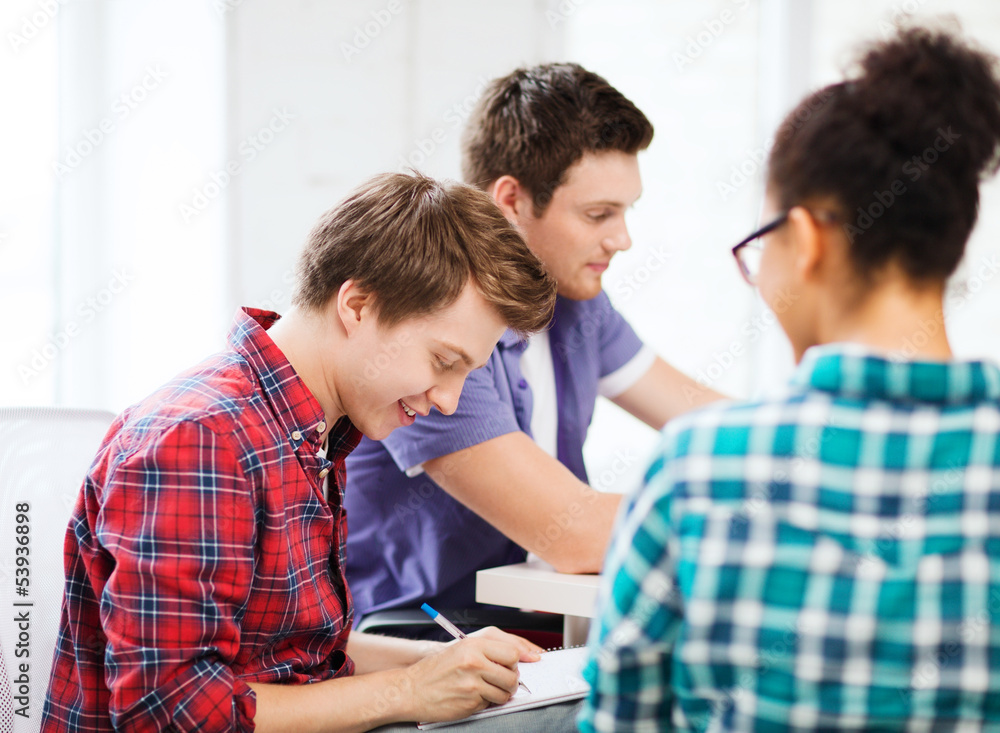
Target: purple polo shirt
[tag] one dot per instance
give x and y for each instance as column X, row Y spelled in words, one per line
column 409, row 542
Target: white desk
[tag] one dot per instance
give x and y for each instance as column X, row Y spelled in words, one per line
column 537, row 586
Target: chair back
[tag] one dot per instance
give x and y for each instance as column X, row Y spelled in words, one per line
column 6, row 704
column 44, row 455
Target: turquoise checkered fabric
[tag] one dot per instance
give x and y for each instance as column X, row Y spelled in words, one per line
column 825, row 560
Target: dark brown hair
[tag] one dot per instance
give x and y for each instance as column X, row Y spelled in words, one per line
column 901, row 149
column 413, row 243
column 533, row 124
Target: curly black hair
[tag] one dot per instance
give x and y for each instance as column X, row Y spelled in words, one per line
column 900, row 148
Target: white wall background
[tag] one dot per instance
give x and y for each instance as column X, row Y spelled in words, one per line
column 243, row 120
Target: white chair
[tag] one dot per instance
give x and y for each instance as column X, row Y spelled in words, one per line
column 6, row 704
column 44, row 456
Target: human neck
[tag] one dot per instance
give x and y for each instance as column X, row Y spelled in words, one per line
column 894, row 318
column 304, row 337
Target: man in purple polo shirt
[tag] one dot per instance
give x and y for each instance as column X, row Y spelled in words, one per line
column 556, row 146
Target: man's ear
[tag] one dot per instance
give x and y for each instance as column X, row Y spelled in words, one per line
column 808, row 238
column 511, row 197
column 351, row 302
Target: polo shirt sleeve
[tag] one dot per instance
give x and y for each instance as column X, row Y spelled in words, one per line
column 623, row 356
column 177, row 522
column 485, row 411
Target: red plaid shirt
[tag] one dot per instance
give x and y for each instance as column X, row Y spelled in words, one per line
column 202, row 555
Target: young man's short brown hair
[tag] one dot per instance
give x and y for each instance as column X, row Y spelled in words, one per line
column 413, row 243
column 533, row 124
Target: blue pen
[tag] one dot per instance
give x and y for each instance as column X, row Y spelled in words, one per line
column 455, row 631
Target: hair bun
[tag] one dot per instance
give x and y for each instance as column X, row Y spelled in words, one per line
column 924, row 88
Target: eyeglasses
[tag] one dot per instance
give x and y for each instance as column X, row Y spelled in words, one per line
column 748, row 252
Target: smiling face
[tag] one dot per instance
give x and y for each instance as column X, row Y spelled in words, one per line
column 583, row 226
column 398, row 373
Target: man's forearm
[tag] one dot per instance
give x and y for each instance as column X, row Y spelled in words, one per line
column 663, row 393
column 373, row 697
column 451, row 682
column 577, row 544
column 533, row 499
column 374, row 653
column 341, row 705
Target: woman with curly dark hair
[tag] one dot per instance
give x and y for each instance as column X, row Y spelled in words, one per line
column 830, row 559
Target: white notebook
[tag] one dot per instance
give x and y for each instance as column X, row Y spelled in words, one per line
column 556, row 677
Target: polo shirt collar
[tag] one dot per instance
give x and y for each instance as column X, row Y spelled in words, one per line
column 855, row 371
column 295, row 407
column 511, row 340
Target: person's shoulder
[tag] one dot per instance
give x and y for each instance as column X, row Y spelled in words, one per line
column 590, row 323
column 692, row 445
column 725, row 418
column 213, row 395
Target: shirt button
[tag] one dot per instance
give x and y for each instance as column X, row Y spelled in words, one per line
column 321, row 427
column 296, row 435
column 523, row 384
column 324, row 472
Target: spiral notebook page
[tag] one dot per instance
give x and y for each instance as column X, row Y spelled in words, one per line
column 556, row 677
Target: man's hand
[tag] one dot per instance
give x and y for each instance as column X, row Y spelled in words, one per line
column 530, row 652
column 466, row 676
column 407, row 681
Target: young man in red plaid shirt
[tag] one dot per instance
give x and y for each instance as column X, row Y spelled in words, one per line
column 204, row 559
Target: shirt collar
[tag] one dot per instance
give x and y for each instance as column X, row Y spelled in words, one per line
column 295, row 407
column 510, row 340
column 852, row 370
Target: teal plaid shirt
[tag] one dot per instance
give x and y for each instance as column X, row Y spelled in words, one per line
column 826, row 560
